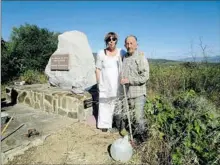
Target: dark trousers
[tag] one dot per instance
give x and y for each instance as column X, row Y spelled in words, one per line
column 137, row 116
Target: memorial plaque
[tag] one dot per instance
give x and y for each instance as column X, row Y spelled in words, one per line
column 60, row 62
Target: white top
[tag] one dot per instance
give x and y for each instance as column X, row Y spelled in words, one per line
column 109, row 75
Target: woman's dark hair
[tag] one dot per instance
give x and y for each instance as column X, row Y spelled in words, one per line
column 110, row 34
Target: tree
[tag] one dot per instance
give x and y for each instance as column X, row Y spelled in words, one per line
column 30, row 47
column 5, row 60
column 33, row 46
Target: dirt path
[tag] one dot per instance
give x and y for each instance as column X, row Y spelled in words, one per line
column 76, row 144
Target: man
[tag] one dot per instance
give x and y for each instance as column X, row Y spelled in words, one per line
column 135, row 73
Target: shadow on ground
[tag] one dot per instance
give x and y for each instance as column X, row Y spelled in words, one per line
column 13, row 101
column 109, row 150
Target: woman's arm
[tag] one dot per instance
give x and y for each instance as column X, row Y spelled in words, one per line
column 98, row 66
column 97, row 73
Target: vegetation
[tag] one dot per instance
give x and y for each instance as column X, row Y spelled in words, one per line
column 188, row 125
column 182, row 111
column 33, row 77
column 169, row 80
column 183, row 114
column 29, row 48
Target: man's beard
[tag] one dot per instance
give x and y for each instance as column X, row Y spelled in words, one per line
column 130, row 52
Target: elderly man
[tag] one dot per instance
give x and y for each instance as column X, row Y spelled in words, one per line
column 135, row 73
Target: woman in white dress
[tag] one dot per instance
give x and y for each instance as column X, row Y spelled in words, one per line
column 107, row 75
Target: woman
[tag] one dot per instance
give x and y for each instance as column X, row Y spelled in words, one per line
column 107, row 75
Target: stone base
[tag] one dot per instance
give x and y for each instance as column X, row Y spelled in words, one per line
column 51, row 100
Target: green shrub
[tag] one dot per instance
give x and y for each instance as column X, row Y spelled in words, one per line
column 189, row 124
column 170, row 80
column 33, row 77
column 167, row 80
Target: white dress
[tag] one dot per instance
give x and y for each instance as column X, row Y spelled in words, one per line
column 108, row 86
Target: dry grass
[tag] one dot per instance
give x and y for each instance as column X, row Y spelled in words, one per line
column 154, row 151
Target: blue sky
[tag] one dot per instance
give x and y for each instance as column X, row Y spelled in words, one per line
column 164, row 29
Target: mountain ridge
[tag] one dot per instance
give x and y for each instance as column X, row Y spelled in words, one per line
column 210, row 59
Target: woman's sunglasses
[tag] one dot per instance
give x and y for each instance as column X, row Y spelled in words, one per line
column 111, row 39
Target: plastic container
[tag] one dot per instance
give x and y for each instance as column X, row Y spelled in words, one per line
column 121, row 150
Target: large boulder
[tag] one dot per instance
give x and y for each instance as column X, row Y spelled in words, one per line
column 72, row 65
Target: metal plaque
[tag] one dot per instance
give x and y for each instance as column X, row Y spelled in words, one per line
column 60, row 62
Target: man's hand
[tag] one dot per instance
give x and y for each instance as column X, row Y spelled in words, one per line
column 124, row 81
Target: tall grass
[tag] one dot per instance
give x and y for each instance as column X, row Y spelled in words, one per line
column 172, row 79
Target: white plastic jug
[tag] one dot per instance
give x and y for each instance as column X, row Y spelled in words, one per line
column 121, row 149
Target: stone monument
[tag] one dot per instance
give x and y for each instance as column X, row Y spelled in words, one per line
column 72, row 65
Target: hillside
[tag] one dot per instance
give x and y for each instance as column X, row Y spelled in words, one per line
column 152, row 60
column 213, row 59
column 161, row 61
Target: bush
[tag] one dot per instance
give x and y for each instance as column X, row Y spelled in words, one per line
column 172, row 79
column 33, row 77
column 167, row 80
column 189, row 125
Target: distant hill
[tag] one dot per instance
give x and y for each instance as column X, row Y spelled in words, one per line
column 160, row 60
column 213, row 59
column 150, row 60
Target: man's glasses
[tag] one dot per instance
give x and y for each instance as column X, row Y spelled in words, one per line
column 111, row 39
